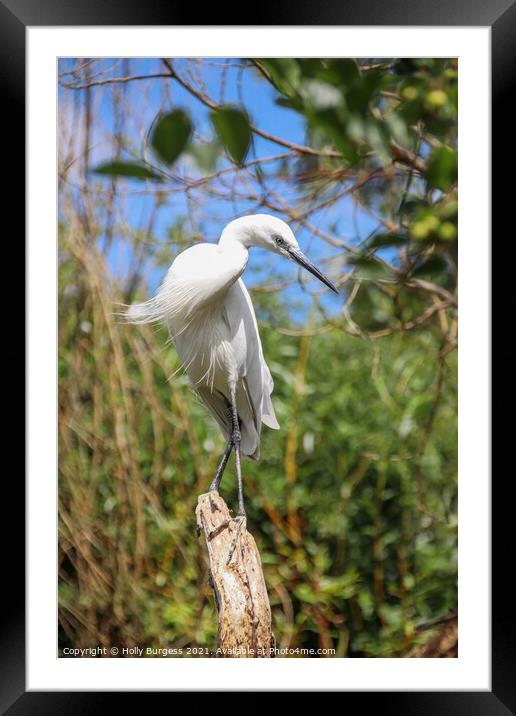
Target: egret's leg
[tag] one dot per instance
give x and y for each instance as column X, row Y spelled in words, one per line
column 222, row 466
column 236, row 443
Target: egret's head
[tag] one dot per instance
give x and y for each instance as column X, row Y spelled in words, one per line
column 273, row 234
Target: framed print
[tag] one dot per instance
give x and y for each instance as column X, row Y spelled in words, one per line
column 298, row 470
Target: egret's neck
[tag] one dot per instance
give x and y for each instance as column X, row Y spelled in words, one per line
column 235, row 248
column 236, row 234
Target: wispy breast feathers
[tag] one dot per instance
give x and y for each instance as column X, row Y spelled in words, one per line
column 177, row 300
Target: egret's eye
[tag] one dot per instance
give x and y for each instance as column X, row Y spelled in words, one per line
column 280, row 241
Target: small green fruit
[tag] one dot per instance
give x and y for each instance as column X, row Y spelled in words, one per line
column 432, row 222
column 436, row 98
column 419, row 230
column 409, row 92
column 448, row 231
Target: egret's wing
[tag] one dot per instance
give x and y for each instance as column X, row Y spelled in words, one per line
column 256, row 379
column 197, row 277
column 268, row 414
column 260, row 383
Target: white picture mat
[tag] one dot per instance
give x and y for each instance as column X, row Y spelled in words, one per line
column 471, row 670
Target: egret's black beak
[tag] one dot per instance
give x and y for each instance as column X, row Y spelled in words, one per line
column 299, row 257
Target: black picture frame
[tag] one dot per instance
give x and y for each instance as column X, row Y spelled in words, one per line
column 500, row 16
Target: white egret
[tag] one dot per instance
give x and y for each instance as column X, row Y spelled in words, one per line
column 212, row 324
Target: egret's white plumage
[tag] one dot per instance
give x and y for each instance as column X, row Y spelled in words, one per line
column 213, row 326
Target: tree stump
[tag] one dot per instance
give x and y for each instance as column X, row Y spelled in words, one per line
column 244, row 613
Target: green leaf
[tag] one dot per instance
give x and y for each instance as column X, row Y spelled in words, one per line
column 291, row 103
column 330, row 123
column 414, row 208
column 387, row 239
column 405, row 66
column 378, row 136
column 170, row 135
column 132, row 170
column 341, row 72
column 368, row 267
column 285, row 74
column 440, row 126
column 347, row 71
column 435, row 265
column 309, row 66
column 399, row 129
column 205, row 155
column 234, row 131
column 441, row 171
column 305, row 594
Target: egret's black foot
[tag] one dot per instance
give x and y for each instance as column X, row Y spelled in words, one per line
column 214, row 487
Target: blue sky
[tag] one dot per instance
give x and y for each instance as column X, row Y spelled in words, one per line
column 146, row 98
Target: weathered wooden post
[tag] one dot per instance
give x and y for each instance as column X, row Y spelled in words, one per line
column 244, row 613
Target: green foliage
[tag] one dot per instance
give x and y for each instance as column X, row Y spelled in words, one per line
column 371, row 117
column 170, row 135
column 205, row 155
column 132, row 170
column 365, row 117
column 441, row 172
column 232, row 127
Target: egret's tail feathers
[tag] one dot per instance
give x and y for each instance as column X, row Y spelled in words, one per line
column 270, row 421
column 255, row 456
column 268, row 414
column 250, row 443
